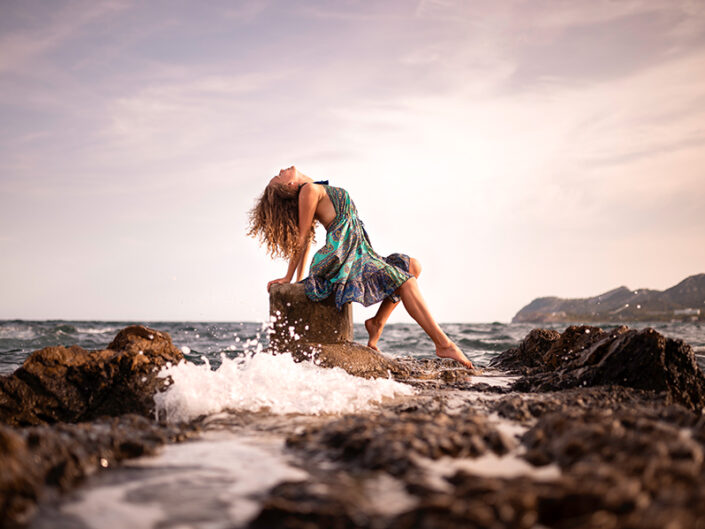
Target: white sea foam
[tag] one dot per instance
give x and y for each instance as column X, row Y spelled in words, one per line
column 100, row 330
column 494, row 378
column 18, row 332
column 265, row 381
column 489, row 465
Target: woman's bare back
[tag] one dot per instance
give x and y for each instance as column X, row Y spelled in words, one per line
column 325, row 211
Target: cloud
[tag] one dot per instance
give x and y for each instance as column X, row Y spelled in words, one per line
column 21, row 47
column 183, row 115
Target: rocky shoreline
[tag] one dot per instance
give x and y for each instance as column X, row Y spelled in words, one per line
column 596, row 429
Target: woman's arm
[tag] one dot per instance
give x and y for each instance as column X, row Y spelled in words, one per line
column 302, row 264
column 308, row 200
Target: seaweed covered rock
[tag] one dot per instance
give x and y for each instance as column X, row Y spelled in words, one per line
column 588, row 356
column 71, row 384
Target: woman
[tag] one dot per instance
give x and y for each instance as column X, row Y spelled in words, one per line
column 346, row 267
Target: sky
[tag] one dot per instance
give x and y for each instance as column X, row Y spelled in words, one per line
column 517, row 149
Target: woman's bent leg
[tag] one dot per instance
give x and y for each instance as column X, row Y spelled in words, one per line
column 375, row 325
column 417, row 309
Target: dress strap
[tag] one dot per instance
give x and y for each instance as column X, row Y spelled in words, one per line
column 322, row 182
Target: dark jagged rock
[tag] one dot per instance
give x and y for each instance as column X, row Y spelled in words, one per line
column 605, row 500
column 61, row 455
column 390, row 441
column 588, row 356
column 524, row 410
column 529, row 353
column 72, row 384
column 626, row 460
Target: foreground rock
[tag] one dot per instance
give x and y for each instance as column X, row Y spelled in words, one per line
column 585, row 356
column 319, row 332
column 611, row 457
column 60, row 385
column 392, row 441
column 61, row 455
column 71, row 384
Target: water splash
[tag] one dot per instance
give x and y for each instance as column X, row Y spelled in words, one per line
column 267, row 382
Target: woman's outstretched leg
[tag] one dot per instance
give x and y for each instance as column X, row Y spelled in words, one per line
column 375, row 324
column 417, row 309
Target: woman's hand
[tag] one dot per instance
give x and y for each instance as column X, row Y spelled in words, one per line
column 278, row 281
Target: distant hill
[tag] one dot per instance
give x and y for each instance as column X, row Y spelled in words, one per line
column 683, row 302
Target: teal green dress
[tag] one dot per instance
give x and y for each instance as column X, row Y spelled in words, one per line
column 347, row 267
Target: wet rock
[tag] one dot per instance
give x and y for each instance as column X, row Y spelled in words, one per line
column 529, row 353
column 606, row 500
column 298, row 319
column 636, row 441
column 319, row 332
column 440, row 373
column 311, row 504
column 358, row 360
column 525, row 408
column 60, row 455
column 390, row 442
column 475, row 501
column 588, row 356
column 71, row 384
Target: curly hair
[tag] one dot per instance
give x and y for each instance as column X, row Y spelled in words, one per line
column 274, row 220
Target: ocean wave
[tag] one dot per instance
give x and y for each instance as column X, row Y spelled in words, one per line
column 484, row 345
column 17, row 331
column 268, row 382
column 99, row 330
column 64, row 329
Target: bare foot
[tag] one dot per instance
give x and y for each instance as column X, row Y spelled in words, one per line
column 375, row 331
column 453, row 351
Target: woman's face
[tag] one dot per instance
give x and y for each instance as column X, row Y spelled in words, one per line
column 286, row 176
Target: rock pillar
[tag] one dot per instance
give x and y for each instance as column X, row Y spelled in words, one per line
column 298, row 319
column 317, row 330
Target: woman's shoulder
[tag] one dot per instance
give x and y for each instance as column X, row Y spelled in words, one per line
column 310, row 189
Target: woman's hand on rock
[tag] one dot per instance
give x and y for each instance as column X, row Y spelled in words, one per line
column 278, row 281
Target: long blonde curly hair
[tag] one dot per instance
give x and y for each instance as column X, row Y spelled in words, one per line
column 274, row 220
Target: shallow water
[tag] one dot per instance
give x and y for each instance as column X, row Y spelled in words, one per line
column 212, row 482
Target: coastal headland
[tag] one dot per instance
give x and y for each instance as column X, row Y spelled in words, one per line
column 585, row 428
column 682, row 302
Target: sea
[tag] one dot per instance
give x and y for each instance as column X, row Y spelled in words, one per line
column 247, row 403
column 212, row 342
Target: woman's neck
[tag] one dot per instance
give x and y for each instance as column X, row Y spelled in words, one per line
column 301, row 178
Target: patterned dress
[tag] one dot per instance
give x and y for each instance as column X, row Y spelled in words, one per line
column 347, row 266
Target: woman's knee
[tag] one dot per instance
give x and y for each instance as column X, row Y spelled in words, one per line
column 414, row 267
column 407, row 286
